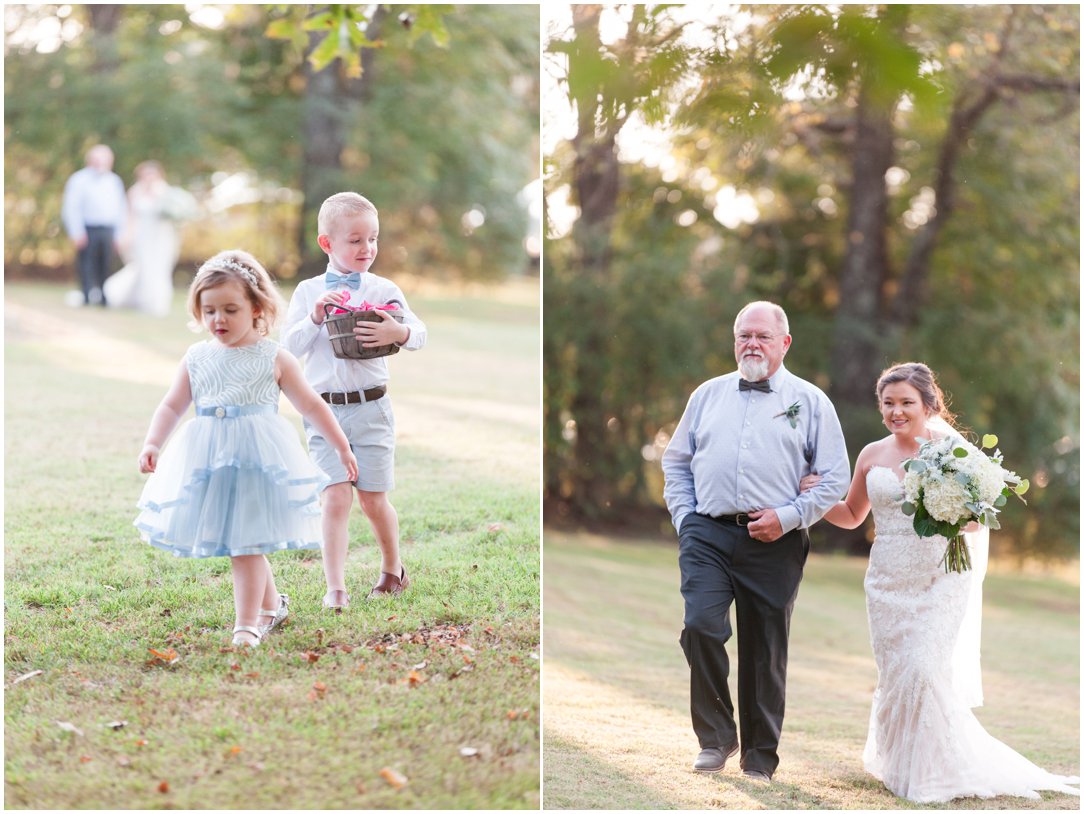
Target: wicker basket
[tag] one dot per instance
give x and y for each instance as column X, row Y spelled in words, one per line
column 345, row 343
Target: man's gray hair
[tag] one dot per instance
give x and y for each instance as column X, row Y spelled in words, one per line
column 780, row 314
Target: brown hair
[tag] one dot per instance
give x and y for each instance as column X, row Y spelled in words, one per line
column 922, row 379
column 242, row 268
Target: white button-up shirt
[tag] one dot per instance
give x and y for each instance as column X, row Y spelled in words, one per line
column 93, row 198
column 310, row 342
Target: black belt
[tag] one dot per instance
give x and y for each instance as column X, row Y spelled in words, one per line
column 739, row 519
column 356, row 397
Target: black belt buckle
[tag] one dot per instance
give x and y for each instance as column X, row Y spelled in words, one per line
column 742, row 519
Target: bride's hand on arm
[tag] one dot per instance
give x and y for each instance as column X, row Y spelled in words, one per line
column 852, row 510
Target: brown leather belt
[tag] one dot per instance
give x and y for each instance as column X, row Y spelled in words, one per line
column 356, row 397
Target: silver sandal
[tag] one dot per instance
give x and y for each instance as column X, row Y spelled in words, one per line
column 277, row 616
column 242, row 642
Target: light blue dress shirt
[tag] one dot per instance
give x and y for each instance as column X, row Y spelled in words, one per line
column 736, row 451
column 93, row 198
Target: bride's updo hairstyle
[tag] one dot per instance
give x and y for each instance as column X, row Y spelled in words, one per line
column 239, row 267
column 922, row 379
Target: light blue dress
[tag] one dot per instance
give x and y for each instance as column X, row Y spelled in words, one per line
column 235, row 479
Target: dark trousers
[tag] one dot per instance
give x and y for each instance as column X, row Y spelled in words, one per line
column 722, row 565
column 95, row 263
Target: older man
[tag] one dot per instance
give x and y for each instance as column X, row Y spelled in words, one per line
column 94, row 213
column 732, row 471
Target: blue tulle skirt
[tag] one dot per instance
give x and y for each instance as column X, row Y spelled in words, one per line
column 231, row 484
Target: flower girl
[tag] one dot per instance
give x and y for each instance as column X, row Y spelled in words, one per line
column 236, row 482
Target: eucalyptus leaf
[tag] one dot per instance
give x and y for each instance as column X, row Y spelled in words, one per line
column 959, row 452
column 908, row 508
column 989, row 440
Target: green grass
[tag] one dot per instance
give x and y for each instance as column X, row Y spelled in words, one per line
column 313, row 717
column 617, row 733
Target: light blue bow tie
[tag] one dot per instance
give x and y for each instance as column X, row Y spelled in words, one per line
column 336, row 280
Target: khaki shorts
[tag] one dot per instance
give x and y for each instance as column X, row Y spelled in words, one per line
column 370, row 428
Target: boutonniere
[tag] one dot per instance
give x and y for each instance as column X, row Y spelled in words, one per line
column 791, row 414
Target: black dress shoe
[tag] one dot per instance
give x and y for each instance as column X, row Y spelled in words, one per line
column 757, row 775
column 713, row 759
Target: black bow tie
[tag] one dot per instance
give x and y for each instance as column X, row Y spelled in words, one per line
column 763, row 386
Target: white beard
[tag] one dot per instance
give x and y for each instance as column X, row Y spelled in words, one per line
column 753, row 370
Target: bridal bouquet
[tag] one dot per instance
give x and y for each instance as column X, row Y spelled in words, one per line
column 950, row 483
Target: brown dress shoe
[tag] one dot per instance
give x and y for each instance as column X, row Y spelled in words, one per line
column 390, row 584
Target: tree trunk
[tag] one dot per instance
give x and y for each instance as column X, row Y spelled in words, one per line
column 596, row 175
column 857, row 351
column 330, row 106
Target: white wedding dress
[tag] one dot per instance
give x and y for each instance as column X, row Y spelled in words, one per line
column 146, row 281
column 924, row 742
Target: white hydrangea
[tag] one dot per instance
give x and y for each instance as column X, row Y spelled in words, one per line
column 945, row 499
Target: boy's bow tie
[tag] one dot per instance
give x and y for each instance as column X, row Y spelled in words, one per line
column 335, row 280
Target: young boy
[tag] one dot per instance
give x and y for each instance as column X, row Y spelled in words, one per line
column 356, row 389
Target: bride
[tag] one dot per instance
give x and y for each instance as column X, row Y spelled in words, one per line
column 152, row 245
column 924, row 743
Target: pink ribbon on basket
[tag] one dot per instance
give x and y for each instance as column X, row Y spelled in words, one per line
column 365, row 306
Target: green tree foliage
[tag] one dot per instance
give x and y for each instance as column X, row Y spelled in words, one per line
column 443, row 143
column 982, row 149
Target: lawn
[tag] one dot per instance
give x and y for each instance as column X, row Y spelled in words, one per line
column 615, row 691
column 121, row 687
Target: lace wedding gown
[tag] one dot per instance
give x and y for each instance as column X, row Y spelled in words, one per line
column 924, row 742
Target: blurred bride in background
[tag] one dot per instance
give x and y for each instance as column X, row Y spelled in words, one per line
column 152, row 243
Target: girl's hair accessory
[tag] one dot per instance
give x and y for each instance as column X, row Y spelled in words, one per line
column 230, row 265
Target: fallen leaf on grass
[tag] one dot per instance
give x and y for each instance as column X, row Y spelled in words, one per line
column 415, row 678
column 514, row 714
column 469, row 751
column 235, row 666
column 466, row 668
column 310, row 657
column 85, row 759
column 319, row 690
column 514, row 659
column 360, row 788
column 117, row 724
column 25, row 676
column 494, row 528
column 166, row 658
column 163, row 787
column 234, row 751
column 394, row 779
column 421, row 665
column 124, row 760
column 141, row 742
column 68, row 727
